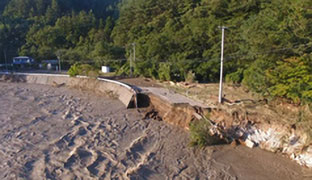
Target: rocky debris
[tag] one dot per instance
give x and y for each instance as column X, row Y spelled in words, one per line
column 55, row 84
column 249, row 143
column 304, row 158
column 151, row 113
column 274, row 138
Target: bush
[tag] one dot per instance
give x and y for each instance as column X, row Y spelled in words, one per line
column 199, row 134
column 255, row 77
column 83, row 70
column 291, row 79
column 235, row 77
column 208, row 71
column 153, row 71
column 146, row 68
column 190, row 77
column 88, row 70
column 73, row 70
column 124, row 70
column 164, row 72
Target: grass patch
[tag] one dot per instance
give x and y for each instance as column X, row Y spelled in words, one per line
column 200, row 136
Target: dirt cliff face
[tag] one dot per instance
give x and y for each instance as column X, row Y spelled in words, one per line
column 180, row 114
column 250, row 127
column 259, row 128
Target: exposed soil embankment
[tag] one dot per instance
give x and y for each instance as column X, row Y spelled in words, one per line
column 172, row 107
column 248, row 126
column 258, row 128
column 177, row 114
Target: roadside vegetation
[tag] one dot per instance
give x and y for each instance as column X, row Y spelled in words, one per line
column 267, row 45
column 83, row 70
column 200, row 135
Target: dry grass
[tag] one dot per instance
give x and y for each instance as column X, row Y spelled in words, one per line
column 208, row 93
column 276, row 111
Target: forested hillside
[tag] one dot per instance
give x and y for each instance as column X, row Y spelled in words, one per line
column 77, row 29
column 267, row 46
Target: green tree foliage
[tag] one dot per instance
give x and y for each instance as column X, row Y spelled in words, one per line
column 12, row 36
column 292, row 79
column 3, row 4
column 175, row 39
column 185, row 35
column 41, row 27
column 255, row 76
column 182, row 32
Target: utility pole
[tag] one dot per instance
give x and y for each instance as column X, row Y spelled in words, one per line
column 5, row 59
column 133, row 51
column 58, row 55
column 221, row 68
column 131, row 63
column 59, row 61
column 132, row 58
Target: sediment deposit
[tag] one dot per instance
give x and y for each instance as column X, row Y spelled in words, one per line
column 59, row 133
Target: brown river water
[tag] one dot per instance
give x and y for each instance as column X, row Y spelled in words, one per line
column 62, row 133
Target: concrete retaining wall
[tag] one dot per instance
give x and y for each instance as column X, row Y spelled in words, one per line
column 119, row 90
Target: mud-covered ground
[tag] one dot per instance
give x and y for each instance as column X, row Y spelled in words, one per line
column 61, row 133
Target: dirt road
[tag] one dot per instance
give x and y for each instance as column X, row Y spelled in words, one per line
column 60, row 133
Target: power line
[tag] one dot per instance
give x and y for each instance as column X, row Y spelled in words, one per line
column 237, row 55
column 271, row 51
column 94, row 61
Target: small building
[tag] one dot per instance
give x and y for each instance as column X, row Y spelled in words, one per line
column 50, row 64
column 23, row 60
column 105, row 69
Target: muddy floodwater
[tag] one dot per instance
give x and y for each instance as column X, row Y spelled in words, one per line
column 62, row 133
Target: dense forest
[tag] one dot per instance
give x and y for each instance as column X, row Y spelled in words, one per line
column 267, row 43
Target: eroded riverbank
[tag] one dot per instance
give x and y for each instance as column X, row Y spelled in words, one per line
column 60, row 133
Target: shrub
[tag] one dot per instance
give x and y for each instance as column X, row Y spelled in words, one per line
column 85, row 69
column 124, row 70
column 190, row 77
column 164, row 72
column 93, row 73
column 146, row 68
column 208, row 71
column 291, row 79
column 235, row 77
column 199, row 134
column 73, row 70
column 82, row 69
column 153, row 71
column 255, row 76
